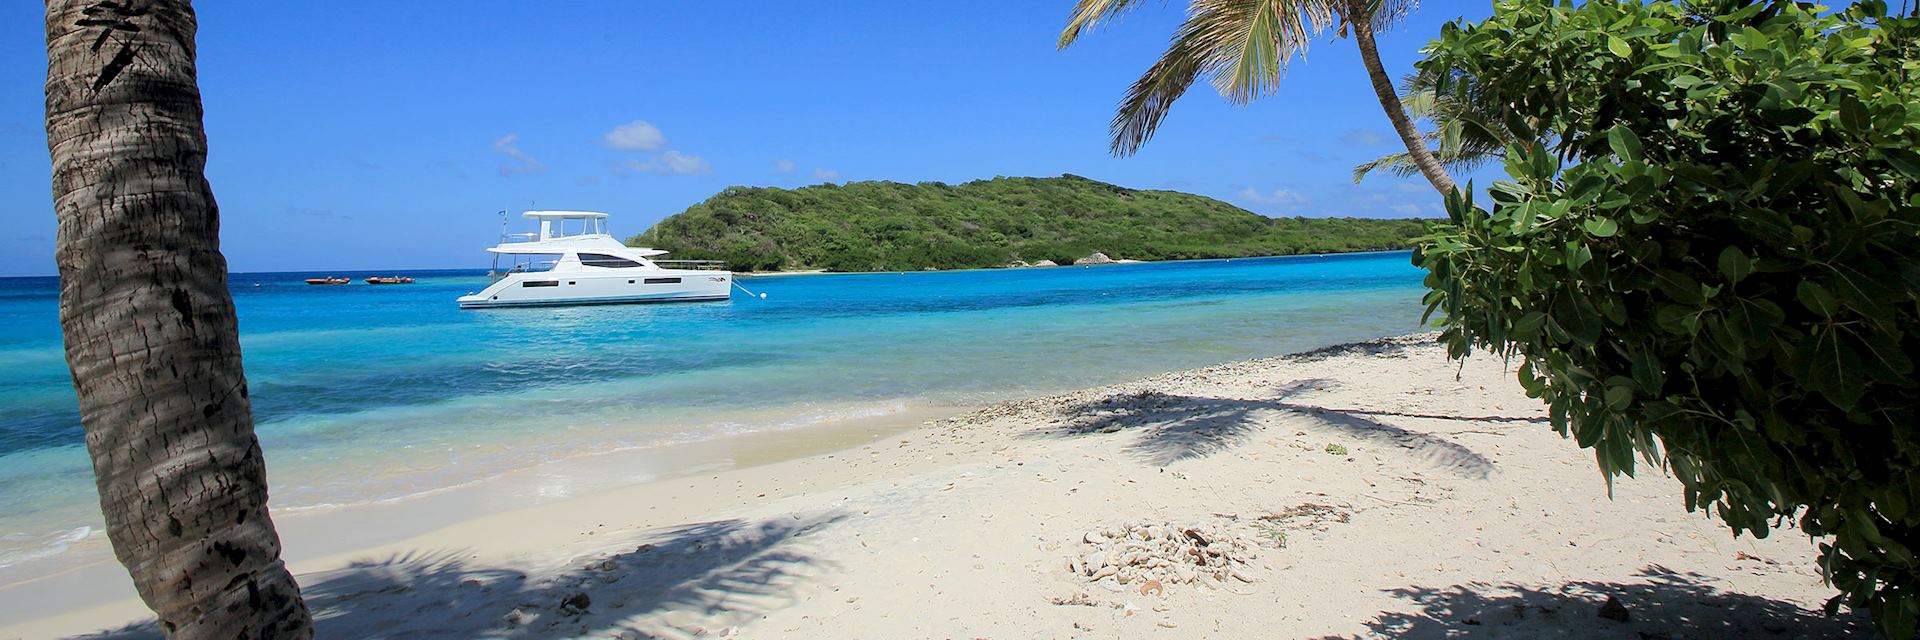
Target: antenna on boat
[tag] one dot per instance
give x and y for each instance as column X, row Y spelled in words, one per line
column 495, row 270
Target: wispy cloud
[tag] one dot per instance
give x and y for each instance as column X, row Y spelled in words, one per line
column 824, row 174
column 673, row 163
column 1279, row 198
column 784, row 166
column 1366, row 137
column 638, row 135
column 517, row 161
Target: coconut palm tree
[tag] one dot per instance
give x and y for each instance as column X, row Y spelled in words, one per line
column 1245, row 46
column 149, row 325
column 1468, row 129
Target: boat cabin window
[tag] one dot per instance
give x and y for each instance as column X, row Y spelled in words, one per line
column 663, row 281
column 540, row 283
column 604, row 260
column 524, row 262
column 568, row 227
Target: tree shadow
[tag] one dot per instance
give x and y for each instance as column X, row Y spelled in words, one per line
column 1664, row 604
column 684, row 582
column 1174, row 427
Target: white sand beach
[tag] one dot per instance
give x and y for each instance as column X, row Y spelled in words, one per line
column 1454, row 511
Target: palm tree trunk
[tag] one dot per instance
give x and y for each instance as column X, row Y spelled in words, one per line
column 1362, row 24
column 150, row 331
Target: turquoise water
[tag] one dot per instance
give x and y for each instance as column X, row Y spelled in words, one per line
column 365, row 393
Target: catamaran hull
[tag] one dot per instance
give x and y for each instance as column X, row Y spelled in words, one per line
column 547, row 289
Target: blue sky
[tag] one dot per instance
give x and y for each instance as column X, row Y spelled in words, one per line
column 385, row 135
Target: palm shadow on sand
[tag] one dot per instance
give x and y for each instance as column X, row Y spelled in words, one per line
column 1173, row 428
column 706, row 576
column 1663, row 604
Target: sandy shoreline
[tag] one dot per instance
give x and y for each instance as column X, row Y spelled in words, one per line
column 1452, row 511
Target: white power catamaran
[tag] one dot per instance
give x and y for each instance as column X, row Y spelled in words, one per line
column 572, row 260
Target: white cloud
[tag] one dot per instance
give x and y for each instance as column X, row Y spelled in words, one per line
column 1406, row 209
column 519, row 161
column 1363, row 137
column 822, row 173
column 638, row 135
column 1276, row 198
column 673, row 163
column 783, row 166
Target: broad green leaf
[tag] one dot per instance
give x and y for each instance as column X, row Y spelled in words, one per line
column 1829, row 367
column 1905, row 160
column 1854, row 116
column 1734, row 264
column 1816, row 298
column 1601, row 227
column 1619, row 396
column 1646, row 372
column 1529, row 324
column 1618, row 47
column 1679, row 285
column 1624, row 142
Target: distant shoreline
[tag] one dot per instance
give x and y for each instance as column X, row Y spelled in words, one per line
column 1116, row 262
column 756, row 274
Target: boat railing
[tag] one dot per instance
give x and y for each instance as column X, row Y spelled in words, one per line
column 714, row 265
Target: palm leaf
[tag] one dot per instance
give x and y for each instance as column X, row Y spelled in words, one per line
column 1092, row 14
column 1467, row 135
column 1244, row 44
column 1254, row 39
column 1148, row 100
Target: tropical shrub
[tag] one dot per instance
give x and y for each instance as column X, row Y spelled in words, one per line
column 1706, row 259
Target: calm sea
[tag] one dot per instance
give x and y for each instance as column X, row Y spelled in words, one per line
column 371, row 393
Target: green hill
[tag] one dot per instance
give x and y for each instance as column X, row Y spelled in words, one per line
column 888, row 226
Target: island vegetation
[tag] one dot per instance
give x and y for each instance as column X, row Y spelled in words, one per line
column 889, row 226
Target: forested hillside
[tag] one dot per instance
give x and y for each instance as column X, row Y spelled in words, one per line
column 888, row 226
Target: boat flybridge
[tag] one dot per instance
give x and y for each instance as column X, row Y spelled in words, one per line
column 591, row 267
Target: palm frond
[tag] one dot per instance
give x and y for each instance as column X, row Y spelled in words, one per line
column 1398, row 164
column 1401, row 164
column 1092, row 14
column 1253, row 40
column 1243, row 44
column 1468, row 128
column 1385, row 13
column 1150, row 97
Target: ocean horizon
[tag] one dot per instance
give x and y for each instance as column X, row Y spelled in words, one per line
column 370, row 394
